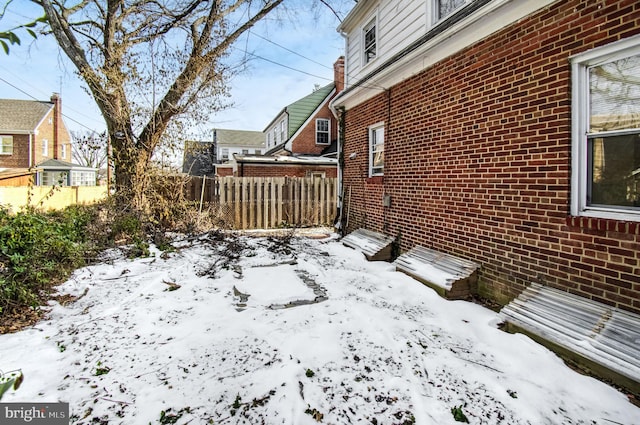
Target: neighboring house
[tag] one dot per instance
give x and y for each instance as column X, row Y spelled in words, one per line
column 302, row 139
column 506, row 132
column 35, row 141
column 211, row 158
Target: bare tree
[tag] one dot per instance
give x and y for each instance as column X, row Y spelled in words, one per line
column 146, row 62
column 89, row 149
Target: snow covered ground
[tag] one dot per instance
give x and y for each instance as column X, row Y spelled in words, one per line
column 303, row 333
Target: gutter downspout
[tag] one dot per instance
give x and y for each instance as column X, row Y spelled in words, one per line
column 30, row 156
column 340, row 119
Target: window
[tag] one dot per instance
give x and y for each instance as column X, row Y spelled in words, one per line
column 606, row 131
column 6, row 145
column 444, row 8
column 322, row 131
column 376, row 150
column 258, row 151
column 225, row 154
column 45, row 147
column 317, row 174
column 268, row 140
column 54, row 178
column 369, row 41
column 83, row 178
column 245, row 151
column 282, row 131
column 63, row 152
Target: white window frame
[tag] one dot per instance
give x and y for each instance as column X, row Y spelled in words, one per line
column 371, row 22
column 63, row 151
column 435, row 7
column 327, row 131
column 580, row 65
column 283, row 136
column 45, row 147
column 83, row 178
column 373, row 144
column 6, row 148
column 224, row 154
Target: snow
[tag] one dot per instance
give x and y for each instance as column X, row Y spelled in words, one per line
column 287, row 334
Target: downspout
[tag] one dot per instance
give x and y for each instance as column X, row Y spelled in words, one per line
column 339, row 149
column 30, row 156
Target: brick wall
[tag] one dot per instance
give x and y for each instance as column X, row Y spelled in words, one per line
column 262, row 170
column 305, row 142
column 478, row 160
column 20, row 156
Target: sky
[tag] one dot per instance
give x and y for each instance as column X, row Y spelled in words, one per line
column 295, row 333
column 298, row 54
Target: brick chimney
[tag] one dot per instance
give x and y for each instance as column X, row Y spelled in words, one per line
column 338, row 74
column 57, row 121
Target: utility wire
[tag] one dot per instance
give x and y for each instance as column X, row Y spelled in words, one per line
column 36, row 99
column 289, row 50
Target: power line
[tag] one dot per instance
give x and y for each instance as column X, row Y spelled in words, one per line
column 289, row 50
column 38, row 100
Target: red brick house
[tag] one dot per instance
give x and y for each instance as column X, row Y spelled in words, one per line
column 301, row 140
column 35, row 140
column 506, row 132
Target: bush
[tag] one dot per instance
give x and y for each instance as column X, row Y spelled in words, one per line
column 38, row 250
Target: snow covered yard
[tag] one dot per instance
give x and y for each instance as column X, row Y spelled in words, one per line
column 263, row 330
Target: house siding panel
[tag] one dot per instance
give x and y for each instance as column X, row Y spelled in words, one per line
column 478, row 160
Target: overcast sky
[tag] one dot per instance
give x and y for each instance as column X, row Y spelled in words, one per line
column 298, row 53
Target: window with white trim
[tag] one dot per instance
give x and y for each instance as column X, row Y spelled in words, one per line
column 55, row 178
column 225, row 154
column 282, row 131
column 606, row 131
column 444, row 8
column 6, row 145
column 376, row 150
column 83, row 178
column 370, row 41
column 45, row 147
column 323, row 128
column 63, row 151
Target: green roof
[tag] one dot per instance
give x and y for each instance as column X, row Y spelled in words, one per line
column 300, row 110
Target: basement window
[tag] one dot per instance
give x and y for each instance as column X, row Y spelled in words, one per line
column 606, row 131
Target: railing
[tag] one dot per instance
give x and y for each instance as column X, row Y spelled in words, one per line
column 267, row 202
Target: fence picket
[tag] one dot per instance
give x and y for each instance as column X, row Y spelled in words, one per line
column 267, row 202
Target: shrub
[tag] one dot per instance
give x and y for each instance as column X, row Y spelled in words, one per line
column 38, row 250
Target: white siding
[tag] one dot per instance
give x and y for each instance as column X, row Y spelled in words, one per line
column 400, row 22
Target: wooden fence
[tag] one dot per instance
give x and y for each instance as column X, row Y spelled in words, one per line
column 267, row 202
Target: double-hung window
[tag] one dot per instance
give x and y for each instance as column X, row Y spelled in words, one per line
column 45, row 147
column 376, row 150
column 322, row 131
column 606, row 131
column 6, row 145
column 369, row 41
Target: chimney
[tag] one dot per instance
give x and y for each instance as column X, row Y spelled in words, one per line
column 57, row 117
column 338, row 74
